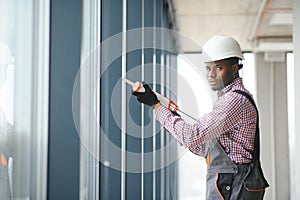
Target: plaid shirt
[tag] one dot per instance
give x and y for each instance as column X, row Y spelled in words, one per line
column 232, row 121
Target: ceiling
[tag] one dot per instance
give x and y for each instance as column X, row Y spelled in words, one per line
column 259, row 25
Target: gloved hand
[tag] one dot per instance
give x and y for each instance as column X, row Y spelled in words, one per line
column 148, row 97
column 175, row 113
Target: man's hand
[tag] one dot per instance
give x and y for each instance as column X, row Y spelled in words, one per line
column 175, row 113
column 148, row 97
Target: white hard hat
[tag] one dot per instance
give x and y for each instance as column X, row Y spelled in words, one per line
column 221, row 47
column 5, row 54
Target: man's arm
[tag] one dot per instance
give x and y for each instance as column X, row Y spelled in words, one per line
column 149, row 98
column 224, row 116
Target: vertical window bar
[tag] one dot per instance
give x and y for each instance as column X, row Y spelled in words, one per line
column 89, row 165
column 167, row 135
column 163, row 92
column 97, row 186
column 41, row 98
column 123, row 139
column 162, row 132
column 154, row 88
column 143, row 108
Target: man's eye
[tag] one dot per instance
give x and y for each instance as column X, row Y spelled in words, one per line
column 219, row 68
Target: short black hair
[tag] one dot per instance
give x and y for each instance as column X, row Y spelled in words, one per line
column 234, row 60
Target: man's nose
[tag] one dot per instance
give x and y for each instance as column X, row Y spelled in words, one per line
column 212, row 73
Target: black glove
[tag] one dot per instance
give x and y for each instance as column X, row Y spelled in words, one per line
column 148, row 97
column 175, row 113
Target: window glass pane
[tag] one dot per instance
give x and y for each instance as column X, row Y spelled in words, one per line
column 8, row 153
column 22, row 97
column 6, row 118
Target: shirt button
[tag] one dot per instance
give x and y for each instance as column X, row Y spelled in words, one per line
column 227, row 187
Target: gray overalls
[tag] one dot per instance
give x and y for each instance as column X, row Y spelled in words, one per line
column 225, row 179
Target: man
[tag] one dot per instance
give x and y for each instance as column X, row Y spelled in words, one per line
column 226, row 136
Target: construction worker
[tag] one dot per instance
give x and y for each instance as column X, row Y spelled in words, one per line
column 228, row 136
column 5, row 128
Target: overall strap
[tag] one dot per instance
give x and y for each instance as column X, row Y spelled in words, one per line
column 256, row 140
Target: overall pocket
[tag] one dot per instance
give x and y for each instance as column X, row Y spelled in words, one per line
column 255, row 183
column 224, row 185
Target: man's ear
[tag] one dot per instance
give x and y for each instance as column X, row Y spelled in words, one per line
column 235, row 68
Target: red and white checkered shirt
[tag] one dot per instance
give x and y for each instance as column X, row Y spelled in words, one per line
column 232, row 121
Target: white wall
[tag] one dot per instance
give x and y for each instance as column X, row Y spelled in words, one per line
column 194, row 99
column 296, row 41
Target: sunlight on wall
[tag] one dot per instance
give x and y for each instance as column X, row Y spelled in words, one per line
column 192, row 168
column 291, row 115
column 248, row 73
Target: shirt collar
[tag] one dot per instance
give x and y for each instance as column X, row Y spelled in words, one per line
column 235, row 82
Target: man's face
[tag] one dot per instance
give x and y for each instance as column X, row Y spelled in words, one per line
column 219, row 74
